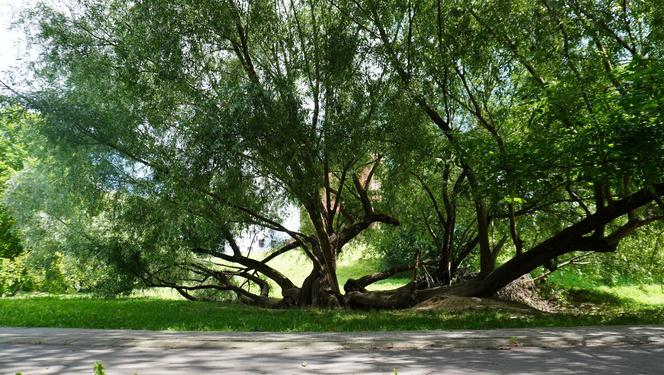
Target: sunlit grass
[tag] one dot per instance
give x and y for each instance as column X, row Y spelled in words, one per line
column 159, row 314
column 158, row 293
column 354, row 262
column 629, row 292
column 163, row 309
column 648, row 294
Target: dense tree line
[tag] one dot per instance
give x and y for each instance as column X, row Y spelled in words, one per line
column 502, row 135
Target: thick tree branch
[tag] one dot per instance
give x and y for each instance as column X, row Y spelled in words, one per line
column 570, row 239
column 259, row 266
column 359, row 285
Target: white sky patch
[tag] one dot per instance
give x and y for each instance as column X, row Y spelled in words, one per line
column 292, row 220
column 12, row 42
column 15, row 53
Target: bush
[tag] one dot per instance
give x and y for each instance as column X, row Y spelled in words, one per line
column 14, row 276
column 49, row 273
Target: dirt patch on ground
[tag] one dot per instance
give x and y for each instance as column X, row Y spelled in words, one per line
column 458, row 304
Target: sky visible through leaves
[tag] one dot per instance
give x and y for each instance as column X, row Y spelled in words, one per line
column 10, row 38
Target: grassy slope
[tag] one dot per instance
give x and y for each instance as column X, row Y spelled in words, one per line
column 627, row 293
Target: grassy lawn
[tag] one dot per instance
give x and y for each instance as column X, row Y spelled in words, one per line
column 163, row 309
column 625, row 293
column 159, row 314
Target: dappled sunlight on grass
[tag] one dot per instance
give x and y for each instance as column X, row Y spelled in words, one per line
column 648, row 294
column 160, row 293
column 159, row 314
column 388, row 284
column 623, row 292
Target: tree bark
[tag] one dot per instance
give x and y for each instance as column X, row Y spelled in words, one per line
column 487, row 260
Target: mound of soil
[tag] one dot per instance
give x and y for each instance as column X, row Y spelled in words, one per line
column 521, row 295
column 458, row 304
column 524, row 291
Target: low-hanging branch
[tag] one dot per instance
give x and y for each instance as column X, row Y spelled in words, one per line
column 279, row 278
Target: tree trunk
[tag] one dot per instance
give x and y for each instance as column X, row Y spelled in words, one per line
column 487, row 260
column 317, row 292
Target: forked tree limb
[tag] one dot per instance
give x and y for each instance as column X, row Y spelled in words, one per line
column 359, row 285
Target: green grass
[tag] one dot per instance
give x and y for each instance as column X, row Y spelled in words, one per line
column 163, row 309
column 622, row 304
column 647, row 294
column 353, row 263
column 158, row 314
column 626, row 293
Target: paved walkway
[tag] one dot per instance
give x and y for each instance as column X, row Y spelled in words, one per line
column 486, row 339
column 592, row 350
column 66, row 360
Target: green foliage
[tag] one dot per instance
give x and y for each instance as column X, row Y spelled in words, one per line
column 99, row 369
column 638, row 260
column 10, row 243
column 13, row 153
column 401, row 246
column 63, row 241
column 173, row 137
column 14, row 276
column 42, row 272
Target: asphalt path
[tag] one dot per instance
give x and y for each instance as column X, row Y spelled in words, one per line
column 615, row 350
column 51, row 359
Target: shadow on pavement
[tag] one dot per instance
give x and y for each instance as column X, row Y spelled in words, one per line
column 69, row 359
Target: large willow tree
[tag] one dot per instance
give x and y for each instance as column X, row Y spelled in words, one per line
column 209, row 118
column 535, row 124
